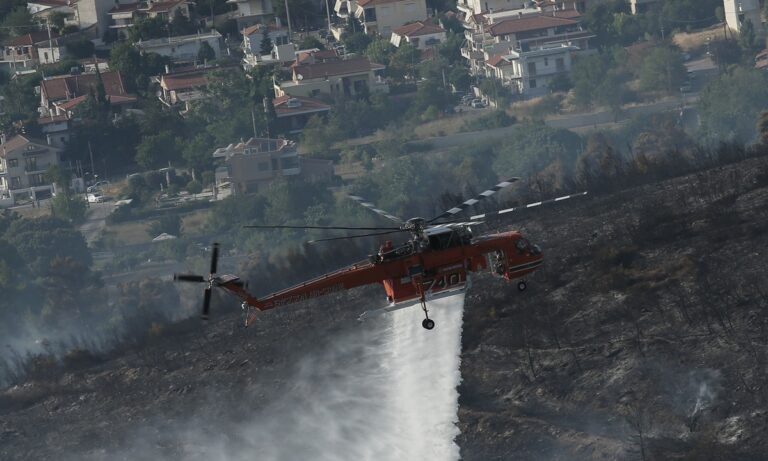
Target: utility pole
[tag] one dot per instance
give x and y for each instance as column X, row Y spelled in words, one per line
column 90, row 151
column 288, row 17
column 328, row 11
column 50, row 42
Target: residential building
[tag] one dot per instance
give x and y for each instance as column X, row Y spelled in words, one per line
column 250, row 12
column 381, row 17
column 57, row 128
column 59, row 95
column 282, row 49
column 420, row 34
column 180, row 89
column 94, row 14
column 41, row 10
column 28, row 50
column 522, row 35
column 738, row 12
column 468, row 8
column 529, row 72
column 335, row 78
column 23, row 163
column 292, row 113
column 184, row 48
column 125, row 15
column 253, row 165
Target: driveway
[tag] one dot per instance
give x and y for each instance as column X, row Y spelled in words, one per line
column 95, row 218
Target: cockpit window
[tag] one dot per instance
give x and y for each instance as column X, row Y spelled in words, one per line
column 522, row 244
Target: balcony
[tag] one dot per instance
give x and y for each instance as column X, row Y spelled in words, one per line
column 469, row 53
column 36, row 168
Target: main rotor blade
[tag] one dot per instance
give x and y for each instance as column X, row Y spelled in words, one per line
column 323, row 227
column 455, row 224
column 373, row 208
column 214, row 258
column 206, row 303
column 188, row 278
column 530, row 205
column 472, row 201
column 355, row 236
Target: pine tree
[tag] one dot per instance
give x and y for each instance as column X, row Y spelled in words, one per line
column 266, row 42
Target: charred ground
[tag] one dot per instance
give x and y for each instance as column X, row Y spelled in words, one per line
column 645, row 337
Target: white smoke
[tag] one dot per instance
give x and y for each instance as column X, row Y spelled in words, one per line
column 385, row 391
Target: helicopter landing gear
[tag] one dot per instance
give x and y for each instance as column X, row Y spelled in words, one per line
column 428, row 324
column 521, row 285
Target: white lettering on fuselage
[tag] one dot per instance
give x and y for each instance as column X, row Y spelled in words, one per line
column 304, row 296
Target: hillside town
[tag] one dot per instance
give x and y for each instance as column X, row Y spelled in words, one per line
column 133, row 134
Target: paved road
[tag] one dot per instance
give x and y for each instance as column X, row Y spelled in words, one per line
column 94, row 220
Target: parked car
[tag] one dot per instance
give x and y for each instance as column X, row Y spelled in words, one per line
column 478, row 103
column 467, row 99
column 685, row 88
column 96, row 197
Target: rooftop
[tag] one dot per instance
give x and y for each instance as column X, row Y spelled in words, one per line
column 72, row 86
column 157, row 42
column 286, row 105
column 339, row 67
column 369, row 3
column 19, row 140
column 525, row 24
column 30, row 38
column 259, row 28
column 418, row 28
column 183, row 80
column 255, row 146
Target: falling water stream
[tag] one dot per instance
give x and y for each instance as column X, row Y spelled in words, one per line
column 386, row 390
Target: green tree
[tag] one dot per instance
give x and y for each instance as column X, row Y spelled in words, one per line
column 81, row 48
column 181, row 25
column 126, row 59
column 57, row 19
column 356, row 42
column 747, row 37
column 266, row 43
column 379, row 50
column 310, row 42
column 169, row 224
column 69, row 207
column 662, row 70
column 18, row 22
column 155, row 151
column 147, row 29
column 404, row 62
column 41, row 240
column 729, row 106
column 205, row 53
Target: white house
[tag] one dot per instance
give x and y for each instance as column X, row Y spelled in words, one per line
column 420, row 34
column 529, row 72
column 738, row 12
column 380, row 17
column 23, row 163
column 282, row 49
column 250, row 12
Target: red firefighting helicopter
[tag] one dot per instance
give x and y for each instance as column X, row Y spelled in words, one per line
column 434, row 263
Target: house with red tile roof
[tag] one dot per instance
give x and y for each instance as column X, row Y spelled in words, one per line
column 334, row 78
column 62, row 93
column 525, row 48
column 421, row 34
column 181, row 89
column 29, row 50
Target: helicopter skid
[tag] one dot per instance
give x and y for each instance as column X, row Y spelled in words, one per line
column 411, row 302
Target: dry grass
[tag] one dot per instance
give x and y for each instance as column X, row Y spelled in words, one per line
column 695, row 41
column 30, row 213
column 192, row 223
column 129, row 233
column 448, row 125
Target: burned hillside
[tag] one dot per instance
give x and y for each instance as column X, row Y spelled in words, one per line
column 644, row 337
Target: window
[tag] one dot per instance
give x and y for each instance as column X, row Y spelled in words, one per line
column 263, row 166
column 274, row 164
column 45, row 56
column 30, row 163
column 12, row 162
column 532, row 68
column 546, row 62
column 560, row 64
column 532, row 83
column 37, row 179
column 370, row 14
column 290, row 162
column 15, row 182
